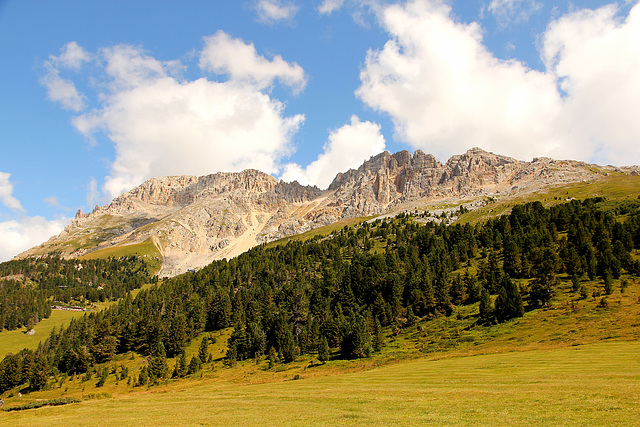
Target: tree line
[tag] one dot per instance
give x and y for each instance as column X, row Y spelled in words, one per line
column 28, row 287
column 336, row 293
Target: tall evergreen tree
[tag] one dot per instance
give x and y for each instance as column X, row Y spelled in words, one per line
column 509, row 301
column 323, row 350
column 203, row 350
column 486, row 307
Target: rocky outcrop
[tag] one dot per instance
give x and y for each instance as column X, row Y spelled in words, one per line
column 194, row 220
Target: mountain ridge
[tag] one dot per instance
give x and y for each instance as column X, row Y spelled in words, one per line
column 195, row 220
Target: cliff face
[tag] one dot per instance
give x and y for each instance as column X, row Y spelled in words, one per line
column 195, row 220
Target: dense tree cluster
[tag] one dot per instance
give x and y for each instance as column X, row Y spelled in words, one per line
column 28, row 287
column 338, row 292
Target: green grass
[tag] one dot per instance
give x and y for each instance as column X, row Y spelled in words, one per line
column 574, row 363
column 613, row 187
column 595, row 384
column 16, row 340
column 146, row 249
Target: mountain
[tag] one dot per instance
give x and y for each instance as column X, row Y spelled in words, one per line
column 195, row 220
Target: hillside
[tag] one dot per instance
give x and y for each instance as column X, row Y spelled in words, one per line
column 577, row 270
column 192, row 221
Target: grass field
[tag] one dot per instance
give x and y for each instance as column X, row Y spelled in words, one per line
column 574, row 363
column 616, row 187
column 596, row 384
column 16, row 340
column 146, row 249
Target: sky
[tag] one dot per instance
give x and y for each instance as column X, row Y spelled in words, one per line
column 97, row 97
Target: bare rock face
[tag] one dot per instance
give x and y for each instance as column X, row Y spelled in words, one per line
column 195, row 220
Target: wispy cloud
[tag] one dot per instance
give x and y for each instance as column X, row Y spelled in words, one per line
column 513, row 11
column 63, row 90
column 273, row 11
column 17, row 236
column 329, row 6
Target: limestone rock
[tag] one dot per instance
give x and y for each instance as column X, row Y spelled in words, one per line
column 195, row 220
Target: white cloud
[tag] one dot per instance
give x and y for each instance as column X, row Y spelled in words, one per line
column 16, row 236
column 22, row 233
column 71, row 56
column 223, row 54
column 59, row 89
column 62, row 91
column 596, row 57
column 162, row 125
column 346, row 148
column 329, row 6
column 446, row 92
column 271, row 11
column 6, row 193
column 513, row 11
column 51, row 201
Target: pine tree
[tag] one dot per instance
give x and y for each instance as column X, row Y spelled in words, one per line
column 288, row 349
column 158, row 367
column 272, row 357
column 608, row 283
column 411, row 317
column 194, row 365
column 377, row 339
column 323, row 350
column 509, row 301
column 356, row 342
column 486, row 309
column 143, row 378
column 203, row 351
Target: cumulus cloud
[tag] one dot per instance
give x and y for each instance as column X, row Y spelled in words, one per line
column 272, row 11
column 161, row 124
column 6, row 193
column 345, row 149
column 445, row 91
column 513, row 11
column 16, row 236
column 223, row 54
column 329, row 6
column 595, row 58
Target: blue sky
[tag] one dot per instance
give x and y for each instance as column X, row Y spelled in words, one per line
column 96, row 97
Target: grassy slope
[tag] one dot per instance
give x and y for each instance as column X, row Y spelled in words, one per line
column 616, row 187
column 16, row 340
column 613, row 187
column 146, row 249
column 574, row 364
column 589, row 385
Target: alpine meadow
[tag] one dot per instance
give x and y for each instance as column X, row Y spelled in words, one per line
column 338, row 212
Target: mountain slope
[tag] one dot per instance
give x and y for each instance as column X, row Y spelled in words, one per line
column 195, row 220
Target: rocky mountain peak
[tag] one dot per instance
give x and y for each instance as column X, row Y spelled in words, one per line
column 195, row 220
